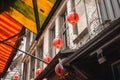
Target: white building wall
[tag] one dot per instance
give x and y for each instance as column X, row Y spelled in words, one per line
column 46, row 43
column 80, row 9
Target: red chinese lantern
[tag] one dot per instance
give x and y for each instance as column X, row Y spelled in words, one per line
column 38, row 71
column 46, row 79
column 32, row 79
column 16, row 77
column 59, row 70
column 58, row 42
column 47, row 59
column 72, row 18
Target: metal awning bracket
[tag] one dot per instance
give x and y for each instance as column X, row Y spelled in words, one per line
column 101, row 58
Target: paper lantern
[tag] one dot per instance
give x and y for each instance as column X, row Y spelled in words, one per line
column 38, row 71
column 32, row 79
column 16, row 77
column 59, row 70
column 46, row 79
column 47, row 59
column 58, row 42
column 72, row 18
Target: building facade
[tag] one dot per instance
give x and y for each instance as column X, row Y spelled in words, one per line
column 95, row 16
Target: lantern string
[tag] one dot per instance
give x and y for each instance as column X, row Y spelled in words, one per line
column 62, row 26
column 58, row 35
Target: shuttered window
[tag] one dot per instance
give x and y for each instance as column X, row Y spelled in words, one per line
column 40, row 55
column 52, row 50
column 116, row 70
column 109, row 9
column 32, row 67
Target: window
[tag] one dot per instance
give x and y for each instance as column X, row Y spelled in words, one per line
column 32, row 37
column 109, row 9
column 92, row 17
column 26, row 69
column 119, row 2
column 40, row 55
column 116, row 70
column 116, row 7
column 27, row 39
column 52, row 50
column 64, row 31
column 32, row 67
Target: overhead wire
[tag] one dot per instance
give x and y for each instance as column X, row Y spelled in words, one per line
column 62, row 26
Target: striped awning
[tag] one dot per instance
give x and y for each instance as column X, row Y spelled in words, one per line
column 10, row 30
column 12, row 22
column 23, row 12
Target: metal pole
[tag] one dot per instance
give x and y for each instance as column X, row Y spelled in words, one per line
column 23, row 51
column 36, row 15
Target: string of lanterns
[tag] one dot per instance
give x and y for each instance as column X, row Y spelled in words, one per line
column 73, row 19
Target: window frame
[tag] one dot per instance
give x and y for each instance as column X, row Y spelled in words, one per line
column 52, row 50
column 109, row 10
column 32, row 66
column 113, row 66
column 40, row 55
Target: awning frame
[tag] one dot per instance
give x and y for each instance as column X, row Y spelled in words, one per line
column 13, row 53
